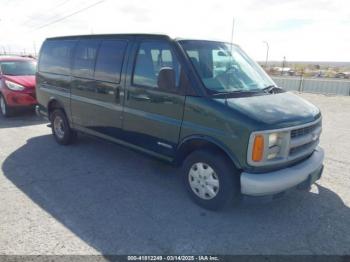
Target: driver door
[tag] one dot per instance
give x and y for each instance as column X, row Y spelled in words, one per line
column 153, row 116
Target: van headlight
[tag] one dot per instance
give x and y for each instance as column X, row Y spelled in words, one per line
column 267, row 146
column 13, row 86
column 274, row 145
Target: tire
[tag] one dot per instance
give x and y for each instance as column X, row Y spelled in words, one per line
column 5, row 110
column 61, row 130
column 218, row 174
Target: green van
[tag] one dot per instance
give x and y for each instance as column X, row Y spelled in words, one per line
column 203, row 105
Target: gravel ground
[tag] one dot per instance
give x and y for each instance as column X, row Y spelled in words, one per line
column 96, row 197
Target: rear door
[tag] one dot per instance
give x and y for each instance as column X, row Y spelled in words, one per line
column 152, row 117
column 96, row 85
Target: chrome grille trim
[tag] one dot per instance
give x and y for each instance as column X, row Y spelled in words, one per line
column 304, row 139
column 305, row 130
column 303, row 149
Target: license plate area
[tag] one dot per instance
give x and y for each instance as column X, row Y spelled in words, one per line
column 312, row 178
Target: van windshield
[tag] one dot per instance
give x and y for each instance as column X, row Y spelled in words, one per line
column 225, row 68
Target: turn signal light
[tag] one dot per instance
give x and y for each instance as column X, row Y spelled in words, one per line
column 258, row 148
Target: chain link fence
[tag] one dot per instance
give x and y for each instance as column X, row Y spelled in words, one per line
column 311, row 85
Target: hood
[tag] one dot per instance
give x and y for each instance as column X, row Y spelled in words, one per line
column 276, row 110
column 26, row 81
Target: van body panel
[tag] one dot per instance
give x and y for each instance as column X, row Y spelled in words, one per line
column 156, row 131
column 97, row 104
column 123, row 142
column 211, row 118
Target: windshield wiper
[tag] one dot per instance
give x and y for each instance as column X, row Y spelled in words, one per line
column 236, row 92
column 272, row 89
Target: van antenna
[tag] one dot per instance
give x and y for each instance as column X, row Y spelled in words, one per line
column 233, row 29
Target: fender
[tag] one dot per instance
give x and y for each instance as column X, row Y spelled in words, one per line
column 60, row 104
column 209, row 140
column 55, row 100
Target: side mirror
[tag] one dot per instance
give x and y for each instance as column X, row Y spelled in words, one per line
column 221, row 53
column 166, row 78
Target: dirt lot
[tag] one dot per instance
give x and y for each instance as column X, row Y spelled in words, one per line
column 96, row 197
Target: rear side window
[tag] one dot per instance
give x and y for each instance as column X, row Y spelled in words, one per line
column 55, row 56
column 84, row 59
column 110, row 60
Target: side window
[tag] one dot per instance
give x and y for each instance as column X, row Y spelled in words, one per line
column 84, row 59
column 55, row 56
column 110, row 60
column 151, row 57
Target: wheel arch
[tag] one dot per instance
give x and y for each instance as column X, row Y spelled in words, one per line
column 195, row 142
column 53, row 104
column 2, row 94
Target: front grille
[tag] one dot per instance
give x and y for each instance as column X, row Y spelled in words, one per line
column 305, row 139
column 304, row 130
column 303, row 148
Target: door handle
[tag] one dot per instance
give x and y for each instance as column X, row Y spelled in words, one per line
column 44, row 83
column 117, row 94
column 140, row 97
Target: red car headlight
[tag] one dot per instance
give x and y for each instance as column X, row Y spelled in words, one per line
column 13, row 86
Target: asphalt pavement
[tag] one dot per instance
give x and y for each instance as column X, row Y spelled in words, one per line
column 95, row 197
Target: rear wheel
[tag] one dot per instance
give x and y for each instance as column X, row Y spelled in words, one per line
column 6, row 111
column 61, row 130
column 211, row 179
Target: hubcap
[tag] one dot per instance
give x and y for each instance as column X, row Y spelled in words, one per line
column 58, row 126
column 203, row 180
column 2, row 105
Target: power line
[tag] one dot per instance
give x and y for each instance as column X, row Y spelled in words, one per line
column 61, row 3
column 67, row 16
column 46, row 10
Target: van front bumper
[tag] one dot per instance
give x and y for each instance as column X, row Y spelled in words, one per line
column 278, row 181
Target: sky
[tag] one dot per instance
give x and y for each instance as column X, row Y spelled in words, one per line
column 300, row 30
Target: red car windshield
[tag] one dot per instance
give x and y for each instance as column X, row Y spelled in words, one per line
column 18, row 68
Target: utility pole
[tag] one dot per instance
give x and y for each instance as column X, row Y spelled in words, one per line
column 34, row 46
column 267, row 53
column 283, row 65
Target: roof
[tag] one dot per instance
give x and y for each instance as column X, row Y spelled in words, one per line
column 109, row 35
column 206, row 40
column 15, row 58
column 159, row 36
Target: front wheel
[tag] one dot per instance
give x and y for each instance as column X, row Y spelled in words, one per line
column 6, row 111
column 211, row 179
column 61, row 130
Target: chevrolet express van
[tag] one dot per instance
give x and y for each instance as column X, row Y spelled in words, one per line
column 204, row 105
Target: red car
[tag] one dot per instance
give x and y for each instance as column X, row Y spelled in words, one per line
column 17, row 83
